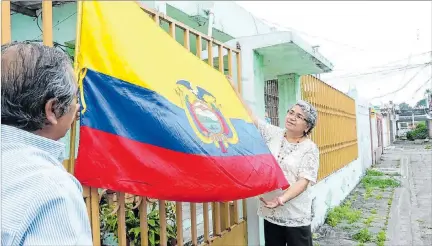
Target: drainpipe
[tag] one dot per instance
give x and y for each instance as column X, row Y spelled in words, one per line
column 413, row 120
column 371, row 136
column 210, row 20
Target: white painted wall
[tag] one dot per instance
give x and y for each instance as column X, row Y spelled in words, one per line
column 363, row 133
column 374, row 126
column 386, row 131
column 229, row 17
column 331, row 191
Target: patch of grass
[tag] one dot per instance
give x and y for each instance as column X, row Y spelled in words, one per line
column 390, row 201
column 314, row 236
column 368, row 192
column 374, row 211
column 369, row 220
column 343, row 212
column 374, row 182
column 428, row 146
column 363, row 236
column 347, row 227
column 381, row 238
column 379, row 197
column 371, row 172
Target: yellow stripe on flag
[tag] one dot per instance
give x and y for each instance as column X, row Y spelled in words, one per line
column 119, row 39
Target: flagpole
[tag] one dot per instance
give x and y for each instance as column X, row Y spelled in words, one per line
column 72, row 145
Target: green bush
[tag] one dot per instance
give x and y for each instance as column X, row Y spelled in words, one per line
column 410, row 136
column 420, row 132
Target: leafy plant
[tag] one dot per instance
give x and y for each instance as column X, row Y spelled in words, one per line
column 381, row 237
column 363, row 236
column 372, row 172
column 70, row 48
column 344, row 212
column 420, row 132
column 109, row 224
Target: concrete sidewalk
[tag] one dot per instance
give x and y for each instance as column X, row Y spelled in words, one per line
column 378, row 211
column 410, row 221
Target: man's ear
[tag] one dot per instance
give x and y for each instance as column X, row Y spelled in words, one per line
column 49, row 112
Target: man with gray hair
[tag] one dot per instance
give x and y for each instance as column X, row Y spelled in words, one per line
column 42, row 203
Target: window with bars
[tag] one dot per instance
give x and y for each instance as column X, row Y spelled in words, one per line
column 271, row 99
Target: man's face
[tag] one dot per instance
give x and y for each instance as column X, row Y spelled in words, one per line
column 65, row 122
column 58, row 127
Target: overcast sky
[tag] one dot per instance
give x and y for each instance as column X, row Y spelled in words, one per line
column 356, row 36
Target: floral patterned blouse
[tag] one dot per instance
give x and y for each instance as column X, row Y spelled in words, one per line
column 297, row 160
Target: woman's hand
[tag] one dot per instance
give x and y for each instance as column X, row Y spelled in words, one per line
column 274, row 203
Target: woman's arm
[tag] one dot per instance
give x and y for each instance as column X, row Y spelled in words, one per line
column 307, row 173
column 292, row 192
column 295, row 190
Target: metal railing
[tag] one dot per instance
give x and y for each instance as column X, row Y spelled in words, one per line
column 335, row 133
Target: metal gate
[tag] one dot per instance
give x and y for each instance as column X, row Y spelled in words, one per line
column 156, row 222
column 271, row 100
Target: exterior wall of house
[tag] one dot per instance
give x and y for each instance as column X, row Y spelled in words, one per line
column 375, row 129
column 64, row 23
column 331, row 191
column 429, row 125
column 289, row 93
column 225, row 14
column 386, row 131
column 393, row 129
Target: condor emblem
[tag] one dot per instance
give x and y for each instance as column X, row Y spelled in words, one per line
column 205, row 117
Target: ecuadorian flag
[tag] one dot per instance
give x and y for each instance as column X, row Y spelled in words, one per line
column 157, row 121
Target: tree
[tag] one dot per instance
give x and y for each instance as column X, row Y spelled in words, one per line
column 405, row 106
column 421, row 104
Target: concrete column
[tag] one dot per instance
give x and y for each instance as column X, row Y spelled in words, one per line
column 289, row 93
column 253, row 94
column 429, row 125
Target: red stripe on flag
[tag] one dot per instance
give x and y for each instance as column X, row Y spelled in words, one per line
column 109, row 161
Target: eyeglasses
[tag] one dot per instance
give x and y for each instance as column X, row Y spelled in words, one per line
column 297, row 116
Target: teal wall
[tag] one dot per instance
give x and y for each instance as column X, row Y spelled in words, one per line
column 258, row 64
column 64, row 23
column 64, row 30
column 289, row 93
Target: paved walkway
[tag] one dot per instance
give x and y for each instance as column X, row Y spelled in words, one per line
column 410, row 220
column 387, row 215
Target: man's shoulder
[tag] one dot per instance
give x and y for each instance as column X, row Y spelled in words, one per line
column 28, row 192
column 29, row 172
column 27, row 158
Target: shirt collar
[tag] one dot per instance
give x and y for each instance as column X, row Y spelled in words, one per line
column 10, row 134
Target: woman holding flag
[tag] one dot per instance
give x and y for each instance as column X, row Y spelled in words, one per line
column 288, row 213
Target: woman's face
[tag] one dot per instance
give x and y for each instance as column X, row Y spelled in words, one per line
column 295, row 120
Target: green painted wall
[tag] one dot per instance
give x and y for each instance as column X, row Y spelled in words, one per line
column 289, row 93
column 194, row 24
column 258, row 64
column 64, row 25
